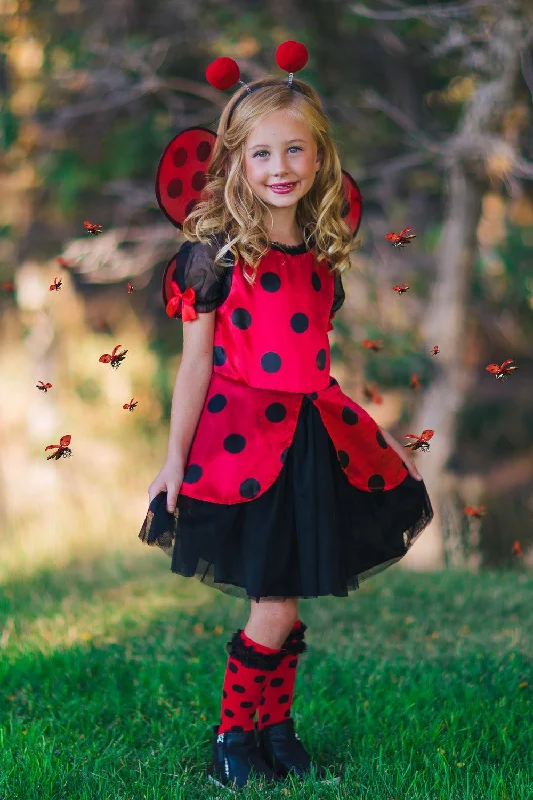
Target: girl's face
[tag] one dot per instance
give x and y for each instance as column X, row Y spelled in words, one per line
column 281, row 149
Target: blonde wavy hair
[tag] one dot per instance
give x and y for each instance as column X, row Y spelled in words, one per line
column 230, row 206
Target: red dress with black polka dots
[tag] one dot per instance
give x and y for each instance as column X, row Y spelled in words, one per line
column 278, row 438
column 271, row 349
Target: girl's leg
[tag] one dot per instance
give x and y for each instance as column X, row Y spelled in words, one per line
column 269, row 625
column 270, row 622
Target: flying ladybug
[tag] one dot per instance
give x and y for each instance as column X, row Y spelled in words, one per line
column 371, row 393
column 63, row 448
column 517, row 549
column 474, row 511
column 44, row 386
column 402, row 238
column 56, row 285
column 115, row 358
column 131, row 405
column 501, row 372
column 401, row 289
column 373, row 344
column 92, row 229
column 435, row 350
column 130, row 287
column 421, row 442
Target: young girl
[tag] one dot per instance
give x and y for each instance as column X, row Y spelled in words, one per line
column 276, row 486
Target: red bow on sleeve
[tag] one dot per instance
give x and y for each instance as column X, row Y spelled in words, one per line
column 187, row 297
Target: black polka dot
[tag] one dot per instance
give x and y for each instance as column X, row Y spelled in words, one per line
column 217, row 403
column 250, row 488
column 198, row 181
column 193, row 474
column 219, row 355
column 283, row 456
column 294, row 663
column 299, row 322
column 316, row 282
column 175, row 188
column 376, row 483
column 190, row 206
column 224, row 694
column 179, row 156
column 349, row 416
column 233, row 667
column 262, row 701
column 234, row 443
column 260, row 679
column 228, row 712
column 241, row 318
column 271, row 362
column 380, row 440
column 276, row 681
column 236, row 728
column 275, row 412
column 321, row 359
column 238, row 688
column 270, row 282
column 265, row 717
column 333, row 382
column 203, row 151
column 246, row 704
column 287, row 713
column 344, row 458
column 284, row 698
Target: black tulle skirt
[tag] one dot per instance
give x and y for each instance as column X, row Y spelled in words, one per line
column 310, row 534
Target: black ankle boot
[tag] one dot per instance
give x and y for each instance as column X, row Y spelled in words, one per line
column 281, row 748
column 234, row 757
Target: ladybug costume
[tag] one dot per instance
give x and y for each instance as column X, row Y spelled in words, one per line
column 289, row 489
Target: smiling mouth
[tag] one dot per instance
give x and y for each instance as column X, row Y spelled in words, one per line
column 281, row 185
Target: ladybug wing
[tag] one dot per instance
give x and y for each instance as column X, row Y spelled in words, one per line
column 105, row 359
column 506, row 363
column 426, row 435
column 182, row 173
column 352, row 208
column 493, row 368
column 51, row 447
column 65, row 440
column 392, row 237
column 115, row 350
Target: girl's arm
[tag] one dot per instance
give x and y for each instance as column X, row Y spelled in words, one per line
column 190, row 390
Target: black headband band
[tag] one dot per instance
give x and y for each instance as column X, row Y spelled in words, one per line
column 261, row 86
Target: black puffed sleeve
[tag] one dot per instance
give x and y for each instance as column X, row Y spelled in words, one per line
column 194, row 267
column 338, row 294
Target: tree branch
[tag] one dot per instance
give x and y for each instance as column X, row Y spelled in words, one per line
column 445, row 11
column 375, row 100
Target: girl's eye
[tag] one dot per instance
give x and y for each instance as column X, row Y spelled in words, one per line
column 294, row 147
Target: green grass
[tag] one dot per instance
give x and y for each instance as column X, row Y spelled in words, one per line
column 416, row 686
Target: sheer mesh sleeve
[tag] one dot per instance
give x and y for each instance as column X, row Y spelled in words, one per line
column 195, row 267
column 338, row 294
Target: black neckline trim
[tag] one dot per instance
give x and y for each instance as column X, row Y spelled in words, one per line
column 290, row 249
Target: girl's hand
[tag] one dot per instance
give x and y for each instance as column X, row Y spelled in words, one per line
column 397, row 447
column 169, row 479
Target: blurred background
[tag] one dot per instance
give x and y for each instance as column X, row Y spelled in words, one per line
column 432, row 110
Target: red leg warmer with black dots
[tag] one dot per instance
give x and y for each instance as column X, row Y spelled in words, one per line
column 249, row 665
column 275, row 704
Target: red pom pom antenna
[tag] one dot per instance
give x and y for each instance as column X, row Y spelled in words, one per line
column 292, row 56
column 223, row 73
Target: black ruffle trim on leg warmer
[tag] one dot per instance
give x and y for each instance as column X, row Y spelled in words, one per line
column 294, row 644
column 248, row 657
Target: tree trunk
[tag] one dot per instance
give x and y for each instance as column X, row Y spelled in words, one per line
column 446, row 319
